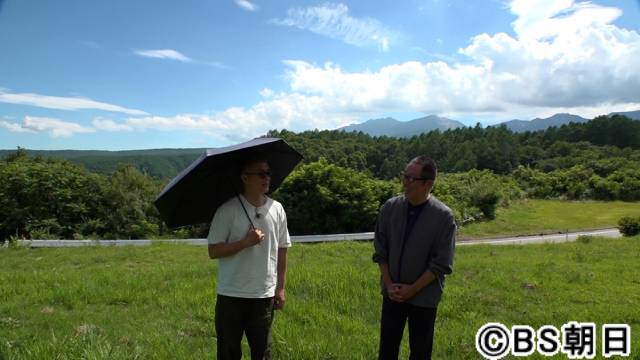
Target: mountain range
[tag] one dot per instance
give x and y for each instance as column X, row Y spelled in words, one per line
column 541, row 124
column 395, row 128
column 392, row 127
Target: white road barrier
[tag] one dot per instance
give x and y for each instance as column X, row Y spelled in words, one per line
column 551, row 238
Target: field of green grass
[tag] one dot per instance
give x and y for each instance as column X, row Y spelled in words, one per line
column 530, row 217
column 157, row 302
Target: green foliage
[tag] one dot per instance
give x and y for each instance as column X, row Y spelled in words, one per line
column 157, row 163
column 579, row 182
column 603, row 144
column 598, row 145
column 585, row 239
column 629, row 226
column 345, row 178
column 53, row 199
column 323, row 198
column 475, row 195
column 128, row 209
column 45, row 197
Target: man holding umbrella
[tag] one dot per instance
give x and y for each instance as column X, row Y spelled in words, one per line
column 248, row 234
column 249, row 237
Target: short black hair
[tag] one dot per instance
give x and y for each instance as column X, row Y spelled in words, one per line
column 243, row 164
column 250, row 160
column 429, row 167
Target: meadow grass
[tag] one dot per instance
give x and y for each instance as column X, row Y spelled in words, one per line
column 158, row 302
column 548, row 216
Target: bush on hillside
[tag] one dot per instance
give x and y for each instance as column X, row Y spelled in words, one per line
column 629, row 226
column 322, row 198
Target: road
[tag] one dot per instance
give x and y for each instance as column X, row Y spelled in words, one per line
column 552, row 238
column 537, row 239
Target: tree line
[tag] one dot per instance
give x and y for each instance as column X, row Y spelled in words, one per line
column 343, row 181
column 497, row 149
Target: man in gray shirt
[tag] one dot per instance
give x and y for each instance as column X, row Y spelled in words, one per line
column 414, row 245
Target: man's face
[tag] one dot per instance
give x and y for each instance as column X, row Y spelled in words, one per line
column 257, row 178
column 413, row 186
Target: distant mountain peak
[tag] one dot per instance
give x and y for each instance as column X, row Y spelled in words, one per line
column 541, row 124
column 391, row 127
column 635, row 115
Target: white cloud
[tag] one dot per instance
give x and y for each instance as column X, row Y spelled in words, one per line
column 588, row 71
column 163, row 54
column 247, row 5
column 15, row 127
column 548, row 18
column 62, row 103
column 435, row 55
column 55, row 127
column 177, row 56
column 291, row 111
column 411, row 86
column 109, row 125
column 568, row 66
column 334, row 21
column 266, row 93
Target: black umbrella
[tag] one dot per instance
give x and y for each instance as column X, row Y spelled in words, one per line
column 195, row 194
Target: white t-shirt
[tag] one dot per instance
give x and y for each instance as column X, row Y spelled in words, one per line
column 252, row 272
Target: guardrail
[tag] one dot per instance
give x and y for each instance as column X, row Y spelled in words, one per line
column 81, row 243
column 547, row 238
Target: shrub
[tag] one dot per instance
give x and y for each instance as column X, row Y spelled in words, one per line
column 629, row 226
column 322, row 198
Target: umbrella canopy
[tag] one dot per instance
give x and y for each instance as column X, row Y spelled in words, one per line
column 195, row 194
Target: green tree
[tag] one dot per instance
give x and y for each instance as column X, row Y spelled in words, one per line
column 45, row 197
column 322, row 198
column 127, row 204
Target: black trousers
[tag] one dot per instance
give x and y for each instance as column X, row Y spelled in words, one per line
column 421, row 323
column 238, row 316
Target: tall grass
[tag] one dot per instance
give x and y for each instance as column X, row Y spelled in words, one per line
column 158, row 302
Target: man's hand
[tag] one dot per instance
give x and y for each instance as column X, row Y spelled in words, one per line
column 279, row 300
column 253, row 237
column 402, row 292
column 392, row 291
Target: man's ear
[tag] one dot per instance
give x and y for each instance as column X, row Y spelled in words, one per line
column 430, row 184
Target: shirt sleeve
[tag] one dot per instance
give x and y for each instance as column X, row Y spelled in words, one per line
column 441, row 262
column 380, row 239
column 220, row 226
column 284, row 240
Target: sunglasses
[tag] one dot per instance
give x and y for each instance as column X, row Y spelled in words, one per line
column 410, row 179
column 261, row 174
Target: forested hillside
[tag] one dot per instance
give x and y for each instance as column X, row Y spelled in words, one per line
column 158, row 163
column 344, row 179
column 494, row 148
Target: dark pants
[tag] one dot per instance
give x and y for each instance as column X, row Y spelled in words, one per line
column 394, row 318
column 253, row 317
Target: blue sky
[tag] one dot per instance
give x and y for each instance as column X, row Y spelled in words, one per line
column 166, row 74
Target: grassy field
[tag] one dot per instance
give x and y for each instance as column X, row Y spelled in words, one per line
column 157, row 302
column 547, row 216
